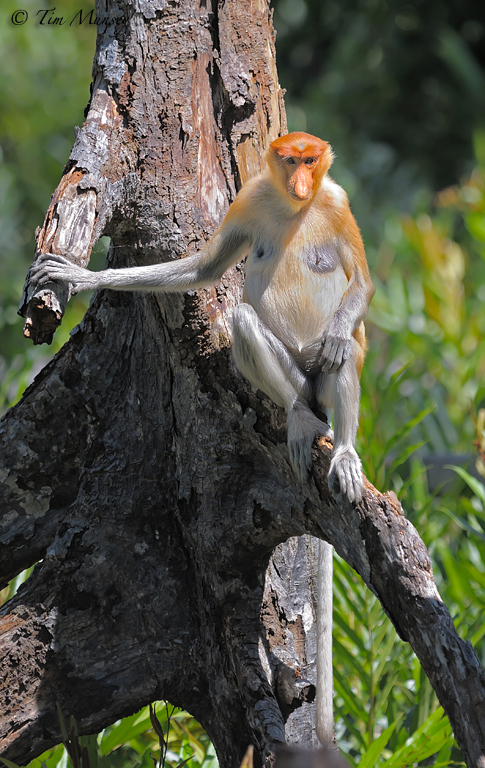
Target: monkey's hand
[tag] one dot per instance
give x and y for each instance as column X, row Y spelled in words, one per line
column 345, row 475
column 303, row 427
column 51, row 268
column 336, row 347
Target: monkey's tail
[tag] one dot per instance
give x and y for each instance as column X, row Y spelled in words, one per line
column 325, row 723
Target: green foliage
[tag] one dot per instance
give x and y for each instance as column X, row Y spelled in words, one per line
column 445, row 349
column 397, row 88
column 148, row 739
column 427, row 325
column 384, row 705
column 43, row 90
column 386, row 711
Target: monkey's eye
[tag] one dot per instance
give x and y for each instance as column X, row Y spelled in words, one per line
column 309, row 160
column 290, row 161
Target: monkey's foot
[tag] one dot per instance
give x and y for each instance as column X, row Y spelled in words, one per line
column 345, row 475
column 303, row 427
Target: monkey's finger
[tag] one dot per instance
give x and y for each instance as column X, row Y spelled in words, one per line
column 342, row 352
column 41, row 275
column 330, row 351
column 48, row 274
column 358, row 485
column 45, row 265
column 53, row 257
column 353, row 483
column 335, row 354
column 327, row 358
column 52, row 265
column 42, row 279
column 343, row 475
column 329, row 367
column 328, row 362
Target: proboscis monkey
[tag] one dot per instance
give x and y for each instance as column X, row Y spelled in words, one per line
column 298, row 334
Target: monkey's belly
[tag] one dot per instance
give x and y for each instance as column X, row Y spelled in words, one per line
column 298, row 311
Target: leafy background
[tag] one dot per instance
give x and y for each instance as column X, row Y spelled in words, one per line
column 398, row 90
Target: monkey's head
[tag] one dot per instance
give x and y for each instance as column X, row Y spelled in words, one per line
column 298, row 162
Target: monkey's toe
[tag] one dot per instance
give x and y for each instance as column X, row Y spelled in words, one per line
column 300, row 457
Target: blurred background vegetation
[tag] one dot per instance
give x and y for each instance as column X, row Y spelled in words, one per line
column 398, row 90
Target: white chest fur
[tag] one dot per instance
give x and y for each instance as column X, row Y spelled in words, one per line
column 295, row 291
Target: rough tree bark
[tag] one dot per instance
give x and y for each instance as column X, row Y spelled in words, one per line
column 147, row 477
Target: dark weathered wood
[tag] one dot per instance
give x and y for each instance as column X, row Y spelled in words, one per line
column 149, row 479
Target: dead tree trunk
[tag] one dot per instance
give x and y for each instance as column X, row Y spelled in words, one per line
column 144, row 473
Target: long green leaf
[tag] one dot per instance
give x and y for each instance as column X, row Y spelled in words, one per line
column 384, row 652
column 476, row 486
column 463, row 524
column 406, row 429
column 368, row 759
column 383, row 629
column 345, row 655
column 425, row 742
column 349, row 592
column 458, row 581
column 404, row 456
column 341, row 622
column 383, row 692
column 352, row 707
column 127, row 729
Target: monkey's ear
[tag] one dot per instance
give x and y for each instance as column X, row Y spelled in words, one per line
column 323, row 165
column 327, row 157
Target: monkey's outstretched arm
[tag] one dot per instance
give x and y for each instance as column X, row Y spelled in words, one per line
column 205, row 268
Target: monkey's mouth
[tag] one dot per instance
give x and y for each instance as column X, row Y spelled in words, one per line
column 300, row 199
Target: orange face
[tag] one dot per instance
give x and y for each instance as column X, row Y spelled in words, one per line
column 302, row 160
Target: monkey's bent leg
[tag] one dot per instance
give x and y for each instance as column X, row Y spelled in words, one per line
column 265, row 362
column 345, row 475
column 324, row 388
